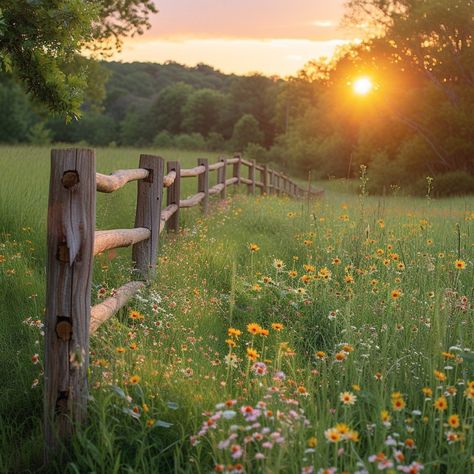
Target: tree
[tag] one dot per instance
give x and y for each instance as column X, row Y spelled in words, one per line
column 166, row 113
column 246, row 131
column 39, row 41
column 202, row 112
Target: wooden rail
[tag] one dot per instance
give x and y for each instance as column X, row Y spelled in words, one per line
column 73, row 242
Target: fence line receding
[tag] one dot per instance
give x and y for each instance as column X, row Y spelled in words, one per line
column 73, row 241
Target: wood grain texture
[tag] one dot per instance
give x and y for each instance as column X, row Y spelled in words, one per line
column 173, row 195
column 103, row 311
column 70, row 240
column 192, row 201
column 221, row 177
column 203, row 185
column 168, row 179
column 115, row 238
column 251, row 185
column 216, row 166
column 118, row 179
column 189, row 172
column 216, row 189
column 147, row 215
column 236, row 168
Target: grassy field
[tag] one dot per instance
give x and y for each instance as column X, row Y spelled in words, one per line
column 278, row 337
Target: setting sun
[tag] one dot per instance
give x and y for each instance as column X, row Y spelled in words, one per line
column 362, row 86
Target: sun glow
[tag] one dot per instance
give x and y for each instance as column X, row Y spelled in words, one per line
column 362, row 86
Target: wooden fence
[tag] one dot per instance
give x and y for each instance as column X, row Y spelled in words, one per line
column 73, row 241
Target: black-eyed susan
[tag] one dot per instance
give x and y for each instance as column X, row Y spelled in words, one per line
column 460, row 264
column 252, row 354
column 441, row 404
column 232, row 332
column 454, row 421
column 134, row 379
column 254, row 328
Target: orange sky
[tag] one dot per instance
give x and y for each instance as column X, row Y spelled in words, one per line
column 241, row 36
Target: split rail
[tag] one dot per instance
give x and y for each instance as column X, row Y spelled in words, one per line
column 73, row 241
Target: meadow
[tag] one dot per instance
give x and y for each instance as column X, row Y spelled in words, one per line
column 280, row 336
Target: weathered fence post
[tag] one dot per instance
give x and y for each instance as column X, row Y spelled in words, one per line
column 203, row 185
column 148, row 213
column 265, row 179
column 70, row 241
column 221, row 176
column 236, row 168
column 173, row 194
column 251, row 186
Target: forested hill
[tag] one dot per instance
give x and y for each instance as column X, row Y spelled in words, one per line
column 146, row 103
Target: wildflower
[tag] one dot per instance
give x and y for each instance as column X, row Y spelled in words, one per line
column 398, row 403
column 231, row 360
column 254, row 328
column 135, row 315
column 412, row 468
column 325, row 273
column 356, row 387
column 321, row 355
column 347, row 398
column 469, row 393
column 332, row 435
column 266, row 279
column 278, row 264
column 340, row 356
column 292, row 274
column 232, row 332
column 35, row 358
column 440, row 375
column 347, row 348
column 230, row 342
column 441, row 403
column 312, row 442
column 410, row 443
column 256, row 287
column 336, row 261
column 453, row 421
column 385, row 417
column 133, row 346
column 453, row 437
column 134, row 379
column 150, row 422
column 277, row 326
column 301, row 390
column 120, row 350
column 396, row 294
column 460, row 264
column 254, row 248
column 427, row 391
column 264, row 332
column 252, row 354
column 307, row 242
column 259, row 368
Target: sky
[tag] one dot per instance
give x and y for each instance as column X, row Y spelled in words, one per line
column 276, row 37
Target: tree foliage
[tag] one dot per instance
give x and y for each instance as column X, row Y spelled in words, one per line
column 41, row 39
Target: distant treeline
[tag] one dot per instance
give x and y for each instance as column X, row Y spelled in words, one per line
column 418, row 122
column 142, row 104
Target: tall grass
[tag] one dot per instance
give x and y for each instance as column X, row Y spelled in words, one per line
column 370, row 300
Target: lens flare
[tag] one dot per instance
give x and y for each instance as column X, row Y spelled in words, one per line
column 362, row 86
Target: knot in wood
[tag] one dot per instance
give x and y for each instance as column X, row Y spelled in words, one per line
column 70, row 178
column 64, row 330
